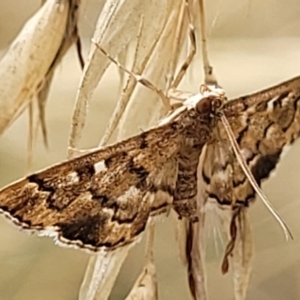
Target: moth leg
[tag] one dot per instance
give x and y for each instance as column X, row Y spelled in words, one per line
column 231, row 221
column 239, row 250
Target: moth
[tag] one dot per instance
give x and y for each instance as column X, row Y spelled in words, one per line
column 104, row 199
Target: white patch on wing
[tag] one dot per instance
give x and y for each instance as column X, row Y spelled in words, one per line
column 270, row 104
column 50, row 231
column 246, row 153
column 100, row 166
column 131, row 192
column 243, row 119
column 221, row 175
column 286, row 100
column 250, row 110
column 271, row 131
column 151, row 198
column 71, row 178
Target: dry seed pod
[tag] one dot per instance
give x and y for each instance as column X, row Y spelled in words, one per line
column 27, row 67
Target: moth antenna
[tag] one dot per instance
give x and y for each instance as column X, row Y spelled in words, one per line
column 251, row 178
column 137, row 77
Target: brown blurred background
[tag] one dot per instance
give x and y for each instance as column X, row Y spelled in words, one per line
column 253, row 44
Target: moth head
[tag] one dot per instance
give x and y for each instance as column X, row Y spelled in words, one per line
column 212, row 99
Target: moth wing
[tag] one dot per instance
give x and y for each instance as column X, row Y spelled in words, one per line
column 264, row 124
column 101, row 200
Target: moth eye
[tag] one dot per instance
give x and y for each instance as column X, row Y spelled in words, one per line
column 204, row 105
column 216, row 104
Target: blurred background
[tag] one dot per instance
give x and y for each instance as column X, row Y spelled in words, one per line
column 253, row 44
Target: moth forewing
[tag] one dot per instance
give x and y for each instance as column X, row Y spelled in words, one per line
column 109, row 207
column 263, row 124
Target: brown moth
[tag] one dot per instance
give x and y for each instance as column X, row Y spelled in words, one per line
column 104, row 199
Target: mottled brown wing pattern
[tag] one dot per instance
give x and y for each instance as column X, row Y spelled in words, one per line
column 104, row 199
column 104, row 209
column 264, row 123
